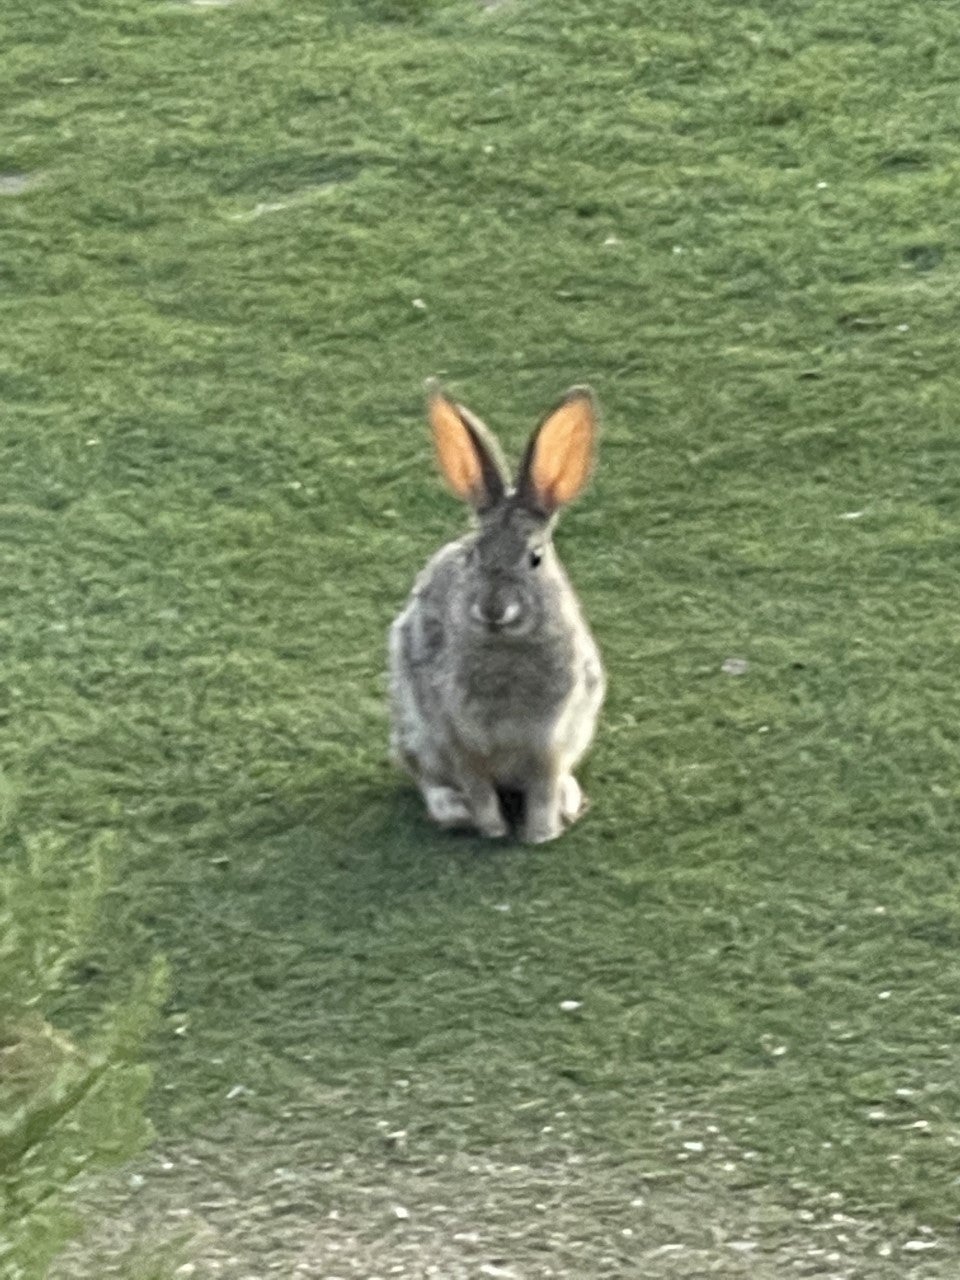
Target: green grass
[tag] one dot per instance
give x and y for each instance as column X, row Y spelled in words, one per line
column 738, row 222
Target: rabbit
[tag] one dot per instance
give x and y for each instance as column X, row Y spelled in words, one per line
column 495, row 680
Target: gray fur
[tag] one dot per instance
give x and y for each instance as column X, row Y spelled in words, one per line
column 495, row 679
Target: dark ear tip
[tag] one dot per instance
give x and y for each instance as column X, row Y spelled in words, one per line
column 433, row 388
column 581, row 391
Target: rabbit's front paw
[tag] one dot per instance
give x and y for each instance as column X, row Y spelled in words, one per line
column 538, row 829
column 485, row 808
column 493, row 827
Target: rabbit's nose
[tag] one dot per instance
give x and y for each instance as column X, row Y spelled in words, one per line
column 495, row 615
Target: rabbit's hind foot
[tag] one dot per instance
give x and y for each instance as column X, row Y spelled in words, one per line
column 573, row 803
column 447, row 807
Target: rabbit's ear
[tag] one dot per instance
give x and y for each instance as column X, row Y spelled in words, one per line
column 559, row 457
column 468, row 455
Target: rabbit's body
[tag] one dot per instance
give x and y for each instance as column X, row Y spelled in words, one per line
column 496, row 681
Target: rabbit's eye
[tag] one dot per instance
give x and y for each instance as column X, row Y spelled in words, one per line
column 535, row 558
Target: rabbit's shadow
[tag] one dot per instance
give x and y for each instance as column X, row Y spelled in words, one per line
column 372, row 854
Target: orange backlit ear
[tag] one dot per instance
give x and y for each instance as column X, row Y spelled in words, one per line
column 560, row 454
column 466, row 452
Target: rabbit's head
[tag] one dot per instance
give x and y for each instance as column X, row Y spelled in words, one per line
column 514, row 582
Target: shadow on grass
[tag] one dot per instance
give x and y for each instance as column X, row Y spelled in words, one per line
column 322, row 861
column 374, row 852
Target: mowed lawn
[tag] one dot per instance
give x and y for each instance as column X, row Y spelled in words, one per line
column 234, row 240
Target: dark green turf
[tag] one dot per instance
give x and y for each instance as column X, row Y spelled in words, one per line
column 739, row 223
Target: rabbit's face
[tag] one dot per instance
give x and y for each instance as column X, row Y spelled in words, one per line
column 512, row 584
column 509, row 566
